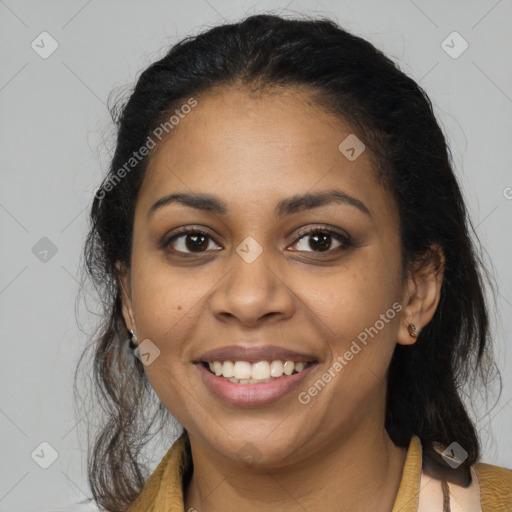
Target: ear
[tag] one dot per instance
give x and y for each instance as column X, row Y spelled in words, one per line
column 123, row 276
column 422, row 295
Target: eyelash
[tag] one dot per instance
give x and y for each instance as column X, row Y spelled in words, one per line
column 343, row 239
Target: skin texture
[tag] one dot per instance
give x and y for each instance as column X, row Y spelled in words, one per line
column 251, row 152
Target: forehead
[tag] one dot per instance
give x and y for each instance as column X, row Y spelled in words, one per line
column 258, row 147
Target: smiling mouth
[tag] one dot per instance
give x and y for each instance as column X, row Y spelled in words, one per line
column 260, row 372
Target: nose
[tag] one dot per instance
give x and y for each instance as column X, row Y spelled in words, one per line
column 252, row 293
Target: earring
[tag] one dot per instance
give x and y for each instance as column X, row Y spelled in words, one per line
column 133, row 339
column 413, row 331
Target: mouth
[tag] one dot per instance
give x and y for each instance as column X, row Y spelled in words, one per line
column 258, row 372
column 253, row 375
column 256, row 383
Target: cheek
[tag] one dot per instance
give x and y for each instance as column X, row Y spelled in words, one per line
column 354, row 298
column 167, row 308
column 360, row 318
column 357, row 312
column 167, row 301
column 362, row 335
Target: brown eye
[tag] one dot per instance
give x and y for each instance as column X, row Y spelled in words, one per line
column 189, row 241
column 321, row 240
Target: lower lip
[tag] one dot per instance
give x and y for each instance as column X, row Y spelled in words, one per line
column 252, row 394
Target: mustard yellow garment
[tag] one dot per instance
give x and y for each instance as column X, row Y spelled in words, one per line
column 163, row 489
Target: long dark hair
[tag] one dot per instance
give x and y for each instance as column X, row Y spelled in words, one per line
column 394, row 118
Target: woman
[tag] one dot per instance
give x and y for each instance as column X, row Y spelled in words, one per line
column 283, row 239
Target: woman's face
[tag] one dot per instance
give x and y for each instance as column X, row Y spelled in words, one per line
column 256, row 287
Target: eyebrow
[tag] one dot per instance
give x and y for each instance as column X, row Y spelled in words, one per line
column 288, row 206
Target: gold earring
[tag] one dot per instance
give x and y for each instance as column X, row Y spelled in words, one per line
column 413, row 331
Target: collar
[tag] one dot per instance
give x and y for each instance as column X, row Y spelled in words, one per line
column 407, row 498
column 164, row 488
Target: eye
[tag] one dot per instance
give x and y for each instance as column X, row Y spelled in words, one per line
column 321, row 239
column 193, row 240
column 188, row 240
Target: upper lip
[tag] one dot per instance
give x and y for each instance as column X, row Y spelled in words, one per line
column 253, row 354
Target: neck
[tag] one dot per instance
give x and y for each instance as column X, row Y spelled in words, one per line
column 359, row 472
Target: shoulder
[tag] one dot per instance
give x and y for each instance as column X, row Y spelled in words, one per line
column 165, row 484
column 495, row 487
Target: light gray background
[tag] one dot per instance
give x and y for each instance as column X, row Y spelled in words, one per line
column 57, row 138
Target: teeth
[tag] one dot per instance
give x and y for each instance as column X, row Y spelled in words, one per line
column 242, row 369
column 228, row 369
column 276, row 368
column 243, row 372
column 299, row 366
column 288, row 367
column 217, row 368
column 261, row 370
